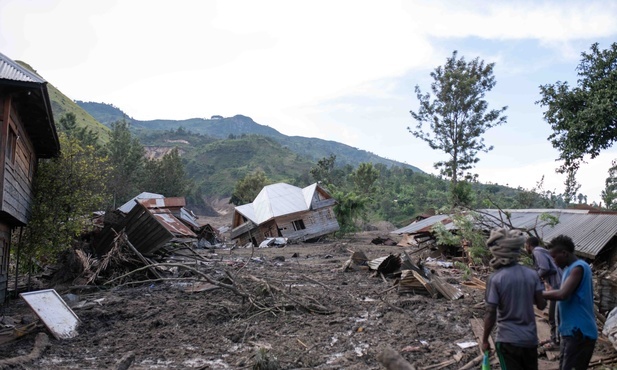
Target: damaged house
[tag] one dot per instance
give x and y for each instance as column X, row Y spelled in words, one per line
column 27, row 133
column 150, row 221
column 283, row 210
column 594, row 232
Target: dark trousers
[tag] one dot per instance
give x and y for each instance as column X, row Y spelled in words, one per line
column 576, row 352
column 552, row 314
column 513, row 357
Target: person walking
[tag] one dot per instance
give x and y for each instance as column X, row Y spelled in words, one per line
column 577, row 321
column 551, row 275
column 511, row 292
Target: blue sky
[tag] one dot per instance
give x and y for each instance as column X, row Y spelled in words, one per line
column 337, row 70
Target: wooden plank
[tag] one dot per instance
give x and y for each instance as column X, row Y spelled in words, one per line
column 477, row 326
column 446, row 289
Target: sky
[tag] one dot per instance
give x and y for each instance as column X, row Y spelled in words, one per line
column 336, row 70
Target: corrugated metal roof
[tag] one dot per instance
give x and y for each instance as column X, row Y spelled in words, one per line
column 421, row 226
column 188, row 217
column 590, row 232
column 128, row 206
column 173, row 202
column 277, row 200
column 171, row 223
column 30, row 96
column 10, row 70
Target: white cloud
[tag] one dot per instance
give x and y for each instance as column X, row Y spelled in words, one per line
column 338, row 70
column 547, row 21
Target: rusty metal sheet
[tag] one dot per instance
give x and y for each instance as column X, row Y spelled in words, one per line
column 171, row 223
column 173, row 202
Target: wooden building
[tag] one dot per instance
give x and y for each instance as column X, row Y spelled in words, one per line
column 27, row 133
column 283, row 210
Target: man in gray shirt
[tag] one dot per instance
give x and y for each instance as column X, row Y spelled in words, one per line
column 511, row 292
column 550, row 274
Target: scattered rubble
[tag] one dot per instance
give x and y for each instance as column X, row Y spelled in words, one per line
column 176, row 304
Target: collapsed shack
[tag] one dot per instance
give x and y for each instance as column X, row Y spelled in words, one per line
column 594, row 234
column 151, row 223
column 410, row 277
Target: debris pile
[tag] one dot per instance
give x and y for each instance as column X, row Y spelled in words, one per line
column 410, row 277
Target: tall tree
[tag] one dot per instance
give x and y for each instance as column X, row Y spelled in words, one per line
column 126, row 156
column 609, row 194
column 166, row 176
column 364, row 178
column 248, row 187
column 323, row 171
column 583, row 118
column 458, row 115
column 68, row 124
column 349, row 207
column 66, row 189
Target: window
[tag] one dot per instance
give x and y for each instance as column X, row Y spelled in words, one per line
column 298, row 225
column 10, row 146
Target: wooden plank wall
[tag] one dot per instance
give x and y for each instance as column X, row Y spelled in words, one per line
column 317, row 223
column 17, row 190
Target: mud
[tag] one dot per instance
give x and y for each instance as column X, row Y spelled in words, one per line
column 301, row 312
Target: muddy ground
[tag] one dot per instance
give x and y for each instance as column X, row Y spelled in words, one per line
column 299, row 311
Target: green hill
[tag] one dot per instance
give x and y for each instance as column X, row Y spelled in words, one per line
column 216, row 165
column 219, row 151
column 225, row 127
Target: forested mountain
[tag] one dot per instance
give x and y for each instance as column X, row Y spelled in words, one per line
column 215, row 165
column 229, row 127
column 218, row 152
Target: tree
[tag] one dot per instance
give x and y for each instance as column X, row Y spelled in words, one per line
column 364, row 178
column 126, row 156
column 458, row 115
column 609, row 194
column 583, row 118
column 248, row 187
column 323, row 171
column 68, row 124
column 66, row 190
column 349, row 207
column 166, row 176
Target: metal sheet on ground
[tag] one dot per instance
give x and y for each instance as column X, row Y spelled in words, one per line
column 53, row 311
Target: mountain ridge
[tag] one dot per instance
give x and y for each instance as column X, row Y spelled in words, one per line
column 228, row 127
